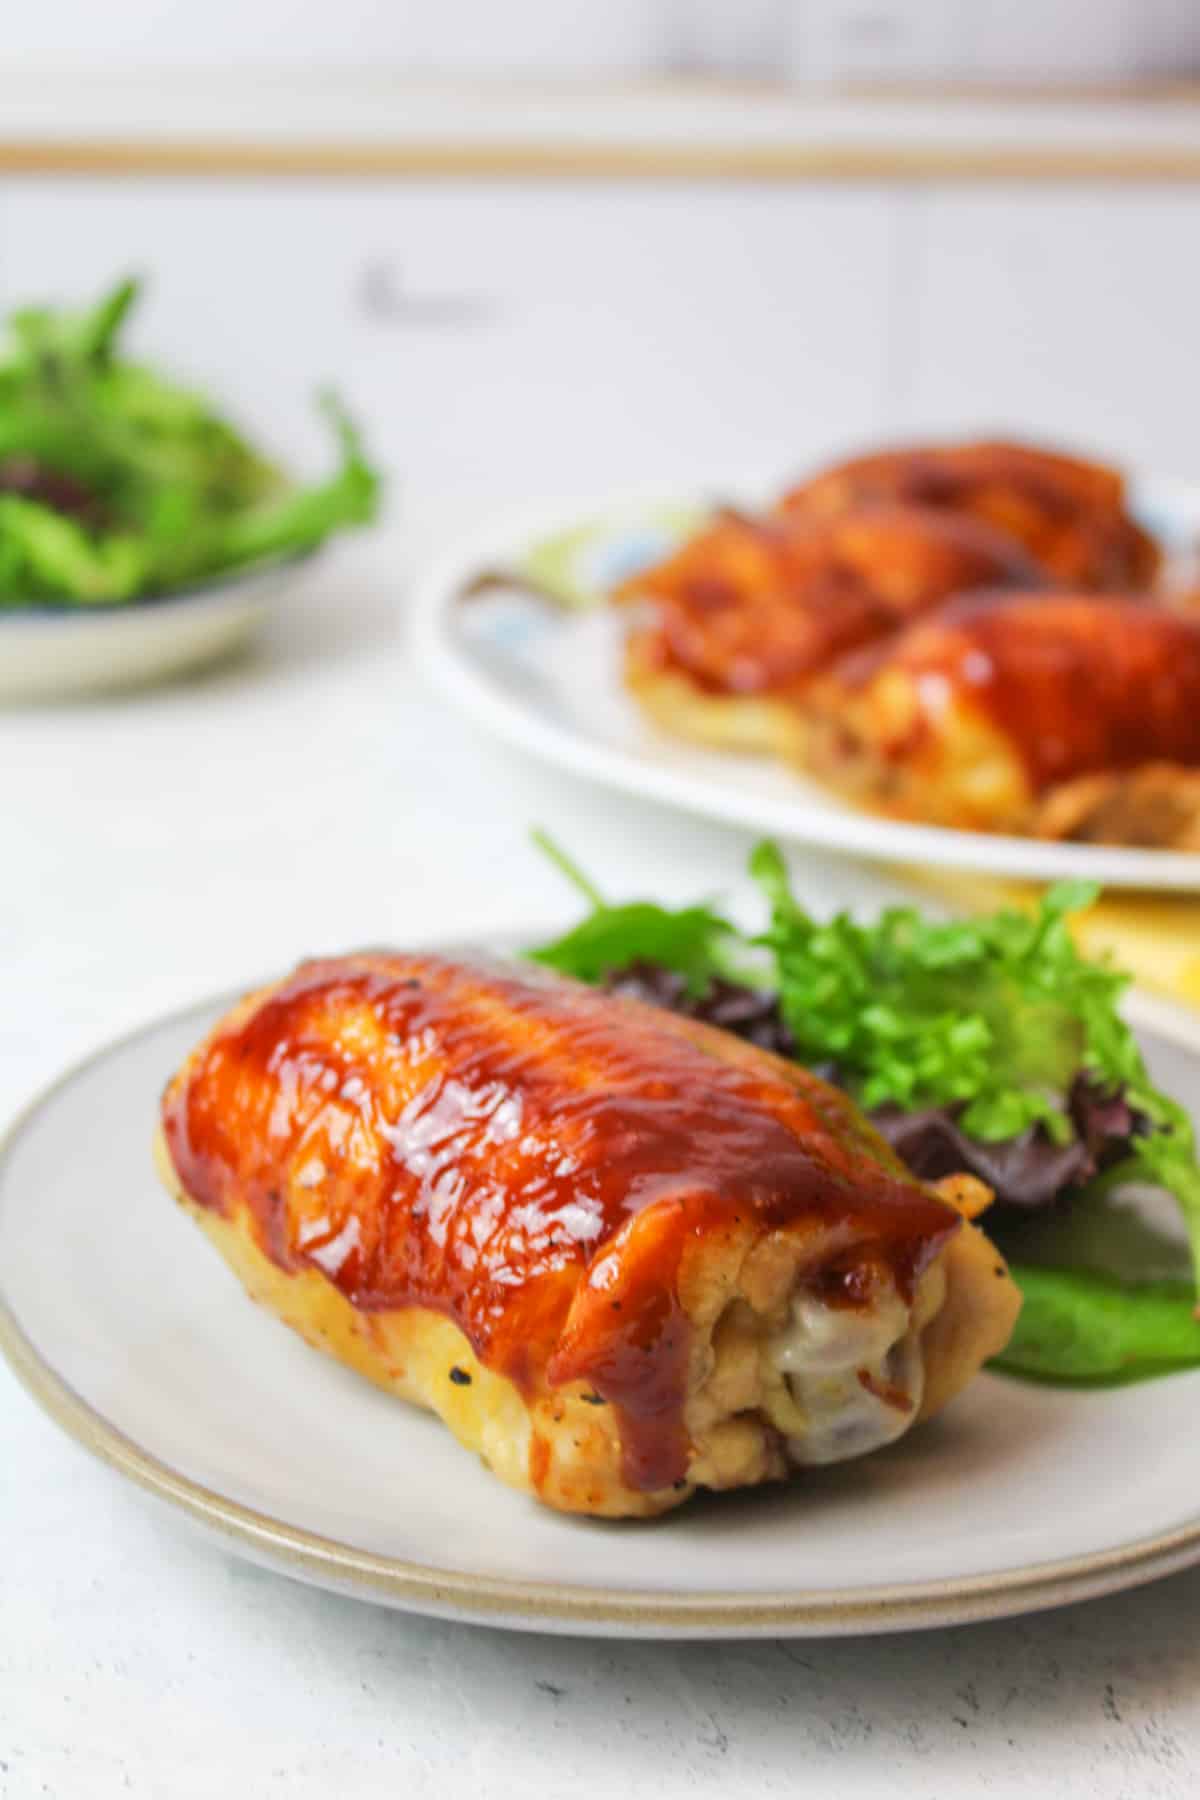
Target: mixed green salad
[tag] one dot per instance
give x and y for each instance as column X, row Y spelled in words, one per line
column 988, row 1045
column 116, row 483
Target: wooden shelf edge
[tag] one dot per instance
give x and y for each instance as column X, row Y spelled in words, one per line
column 606, row 162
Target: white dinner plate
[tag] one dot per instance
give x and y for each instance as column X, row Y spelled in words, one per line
column 533, row 653
column 56, row 651
column 138, row 1340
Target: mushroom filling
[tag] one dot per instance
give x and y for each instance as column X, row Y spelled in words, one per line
column 855, row 1375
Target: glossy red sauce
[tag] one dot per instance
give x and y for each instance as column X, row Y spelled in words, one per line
column 754, row 606
column 531, row 1158
column 1068, row 513
column 1077, row 683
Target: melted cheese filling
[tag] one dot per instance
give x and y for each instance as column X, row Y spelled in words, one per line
column 855, row 1376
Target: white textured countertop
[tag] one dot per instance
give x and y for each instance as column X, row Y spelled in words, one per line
column 316, row 796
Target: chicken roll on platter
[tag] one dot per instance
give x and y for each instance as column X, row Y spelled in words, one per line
column 1063, row 715
column 1067, row 512
column 623, row 1254
column 735, row 624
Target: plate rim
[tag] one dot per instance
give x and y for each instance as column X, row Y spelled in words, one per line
column 838, row 828
column 553, row 1606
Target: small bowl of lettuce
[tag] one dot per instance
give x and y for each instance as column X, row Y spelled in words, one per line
column 140, row 532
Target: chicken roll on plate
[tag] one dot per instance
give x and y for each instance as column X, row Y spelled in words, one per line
column 623, row 1254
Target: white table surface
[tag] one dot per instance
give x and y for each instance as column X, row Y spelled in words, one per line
column 315, row 795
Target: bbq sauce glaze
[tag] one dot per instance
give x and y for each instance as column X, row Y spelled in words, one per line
column 531, row 1158
column 1070, row 515
column 1077, row 683
column 754, row 606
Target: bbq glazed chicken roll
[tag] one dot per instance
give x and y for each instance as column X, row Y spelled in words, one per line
column 743, row 615
column 1068, row 513
column 1067, row 713
column 622, row 1254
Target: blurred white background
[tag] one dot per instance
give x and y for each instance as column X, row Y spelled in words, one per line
column 1029, row 41
column 505, row 340
column 537, row 333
